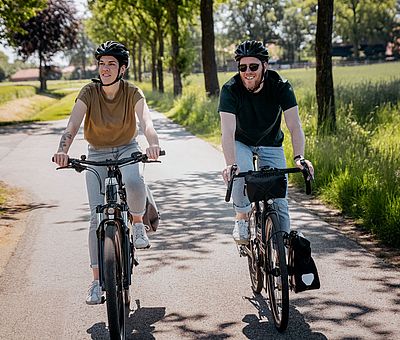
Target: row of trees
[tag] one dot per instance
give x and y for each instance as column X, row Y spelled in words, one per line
column 151, row 28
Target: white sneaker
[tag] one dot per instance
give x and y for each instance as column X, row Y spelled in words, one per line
column 140, row 239
column 95, row 294
column 240, row 232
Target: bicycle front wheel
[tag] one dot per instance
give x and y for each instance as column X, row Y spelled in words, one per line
column 113, row 283
column 253, row 259
column 277, row 273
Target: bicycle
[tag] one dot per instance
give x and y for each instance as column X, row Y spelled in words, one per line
column 116, row 253
column 265, row 250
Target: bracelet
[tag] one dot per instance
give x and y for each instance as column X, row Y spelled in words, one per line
column 295, row 158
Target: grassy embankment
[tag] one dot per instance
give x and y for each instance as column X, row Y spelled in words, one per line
column 28, row 105
column 358, row 168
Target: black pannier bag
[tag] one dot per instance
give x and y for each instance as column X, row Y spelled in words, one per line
column 265, row 186
column 302, row 269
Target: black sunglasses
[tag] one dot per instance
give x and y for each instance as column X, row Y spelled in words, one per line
column 252, row 67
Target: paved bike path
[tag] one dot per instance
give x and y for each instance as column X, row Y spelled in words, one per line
column 191, row 284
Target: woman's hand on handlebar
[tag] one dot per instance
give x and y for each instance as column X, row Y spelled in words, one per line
column 61, row 158
column 153, row 151
column 228, row 171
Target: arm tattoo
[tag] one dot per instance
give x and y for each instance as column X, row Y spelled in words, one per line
column 65, row 142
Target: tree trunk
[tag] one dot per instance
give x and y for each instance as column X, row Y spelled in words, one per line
column 134, row 58
column 160, row 60
column 174, row 26
column 208, row 49
column 140, row 60
column 42, row 74
column 324, row 80
column 154, row 66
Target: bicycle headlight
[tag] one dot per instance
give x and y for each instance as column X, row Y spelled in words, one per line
column 110, row 211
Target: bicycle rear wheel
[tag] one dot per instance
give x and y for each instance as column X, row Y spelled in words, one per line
column 256, row 276
column 113, row 283
column 276, row 273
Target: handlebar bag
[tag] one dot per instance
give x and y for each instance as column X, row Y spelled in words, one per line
column 301, row 266
column 263, row 187
column 151, row 217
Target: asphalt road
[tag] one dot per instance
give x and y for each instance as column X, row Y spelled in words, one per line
column 191, row 284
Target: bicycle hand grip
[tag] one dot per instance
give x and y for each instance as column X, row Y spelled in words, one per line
column 308, row 187
column 162, row 153
column 229, row 191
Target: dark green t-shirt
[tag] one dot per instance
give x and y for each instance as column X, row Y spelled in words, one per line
column 258, row 115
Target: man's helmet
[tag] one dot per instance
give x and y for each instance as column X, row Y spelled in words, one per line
column 115, row 49
column 252, row 48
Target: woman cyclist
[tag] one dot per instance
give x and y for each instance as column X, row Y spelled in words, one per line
column 112, row 108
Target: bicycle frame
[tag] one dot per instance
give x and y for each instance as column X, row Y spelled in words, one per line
column 265, row 250
column 115, row 246
column 115, row 213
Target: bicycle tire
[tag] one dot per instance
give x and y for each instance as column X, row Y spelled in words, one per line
column 113, row 283
column 277, row 273
column 256, row 276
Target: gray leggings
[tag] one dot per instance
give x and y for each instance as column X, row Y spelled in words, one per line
column 134, row 182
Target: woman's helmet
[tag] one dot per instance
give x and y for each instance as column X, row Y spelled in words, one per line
column 115, row 49
column 252, row 48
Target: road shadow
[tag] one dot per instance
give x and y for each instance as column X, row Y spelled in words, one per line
column 193, row 214
column 9, row 213
column 139, row 324
column 261, row 325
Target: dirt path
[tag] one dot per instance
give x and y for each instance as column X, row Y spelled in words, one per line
column 13, row 221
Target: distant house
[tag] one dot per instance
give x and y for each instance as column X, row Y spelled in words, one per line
column 26, row 75
column 29, row 74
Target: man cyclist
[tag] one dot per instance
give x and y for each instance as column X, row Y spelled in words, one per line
column 112, row 107
column 251, row 106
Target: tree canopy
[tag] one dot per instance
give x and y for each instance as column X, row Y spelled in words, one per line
column 51, row 30
column 13, row 13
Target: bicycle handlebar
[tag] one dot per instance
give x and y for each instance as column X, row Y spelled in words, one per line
column 80, row 164
column 270, row 172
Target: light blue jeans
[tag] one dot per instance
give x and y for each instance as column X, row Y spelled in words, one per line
column 134, row 183
column 267, row 156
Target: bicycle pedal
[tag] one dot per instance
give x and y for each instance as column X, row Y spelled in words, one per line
column 103, row 299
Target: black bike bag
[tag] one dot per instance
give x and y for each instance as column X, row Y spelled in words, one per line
column 265, row 186
column 301, row 266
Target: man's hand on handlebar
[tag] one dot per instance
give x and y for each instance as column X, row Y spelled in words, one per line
column 301, row 163
column 228, row 171
column 61, row 158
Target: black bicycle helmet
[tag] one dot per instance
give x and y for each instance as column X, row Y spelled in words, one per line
column 252, row 48
column 115, row 49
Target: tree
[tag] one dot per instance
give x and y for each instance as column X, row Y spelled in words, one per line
column 297, row 28
column 364, row 22
column 255, row 19
column 208, row 49
column 324, row 79
column 172, row 9
column 52, row 30
column 82, row 55
column 15, row 12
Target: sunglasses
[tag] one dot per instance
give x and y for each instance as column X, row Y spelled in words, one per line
column 252, row 67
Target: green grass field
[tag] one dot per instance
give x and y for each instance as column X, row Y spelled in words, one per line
column 357, row 169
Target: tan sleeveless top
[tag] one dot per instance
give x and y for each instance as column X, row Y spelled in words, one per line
column 110, row 122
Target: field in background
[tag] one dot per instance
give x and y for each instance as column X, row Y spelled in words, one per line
column 357, row 169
